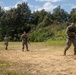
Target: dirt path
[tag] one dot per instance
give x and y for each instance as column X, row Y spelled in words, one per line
column 41, row 59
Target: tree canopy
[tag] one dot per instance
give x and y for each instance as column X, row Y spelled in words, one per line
column 16, row 20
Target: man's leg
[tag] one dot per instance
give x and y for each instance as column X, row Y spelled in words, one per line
column 23, row 47
column 27, row 46
column 6, row 46
column 68, row 46
column 75, row 50
column 74, row 43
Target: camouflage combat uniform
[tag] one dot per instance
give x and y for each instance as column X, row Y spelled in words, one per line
column 6, row 42
column 24, row 38
column 71, row 38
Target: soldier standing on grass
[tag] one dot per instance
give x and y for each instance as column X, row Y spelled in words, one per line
column 24, row 38
column 71, row 37
column 6, row 42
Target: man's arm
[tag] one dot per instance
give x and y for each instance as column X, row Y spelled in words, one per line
column 21, row 37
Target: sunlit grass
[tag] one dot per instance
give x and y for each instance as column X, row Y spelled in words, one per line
column 14, row 73
column 12, row 43
column 44, row 58
column 4, row 64
column 56, row 43
column 5, row 68
column 53, row 43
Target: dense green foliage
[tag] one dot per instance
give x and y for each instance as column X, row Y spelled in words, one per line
column 53, row 32
column 40, row 25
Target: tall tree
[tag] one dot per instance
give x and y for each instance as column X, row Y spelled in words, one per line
column 14, row 19
column 1, row 14
column 38, row 16
column 60, row 15
column 72, row 15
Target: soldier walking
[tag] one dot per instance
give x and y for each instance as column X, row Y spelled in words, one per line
column 71, row 37
column 24, row 38
column 6, row 42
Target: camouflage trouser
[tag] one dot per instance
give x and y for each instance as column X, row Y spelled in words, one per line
column 23, row 44
column 6, row 46
column 69, row 42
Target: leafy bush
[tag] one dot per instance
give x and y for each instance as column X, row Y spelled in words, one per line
column 49, row 32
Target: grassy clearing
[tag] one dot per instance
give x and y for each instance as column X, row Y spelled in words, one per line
column 56, row 43
column 49, row 42
column 42, row 59
column 11, row 43
column 11, row 68
column 14, row 73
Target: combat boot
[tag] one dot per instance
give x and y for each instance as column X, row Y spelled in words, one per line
column 23, row 49
column 65, row 52
column 27, row 50
column 6, row 48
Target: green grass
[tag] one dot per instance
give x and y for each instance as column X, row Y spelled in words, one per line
column 4, row 64
column 56, row 43
column 6, row 68
column 15, row 43
column 49, row 42
column 14, row 73
column 1, row 43
column 11, row 43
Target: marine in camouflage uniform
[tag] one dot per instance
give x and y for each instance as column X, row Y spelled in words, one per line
column 24, row 38
column 6, row 42
column 71, row 37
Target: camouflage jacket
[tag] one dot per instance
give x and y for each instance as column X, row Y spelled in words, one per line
column 71, row 31
column 24, row 38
